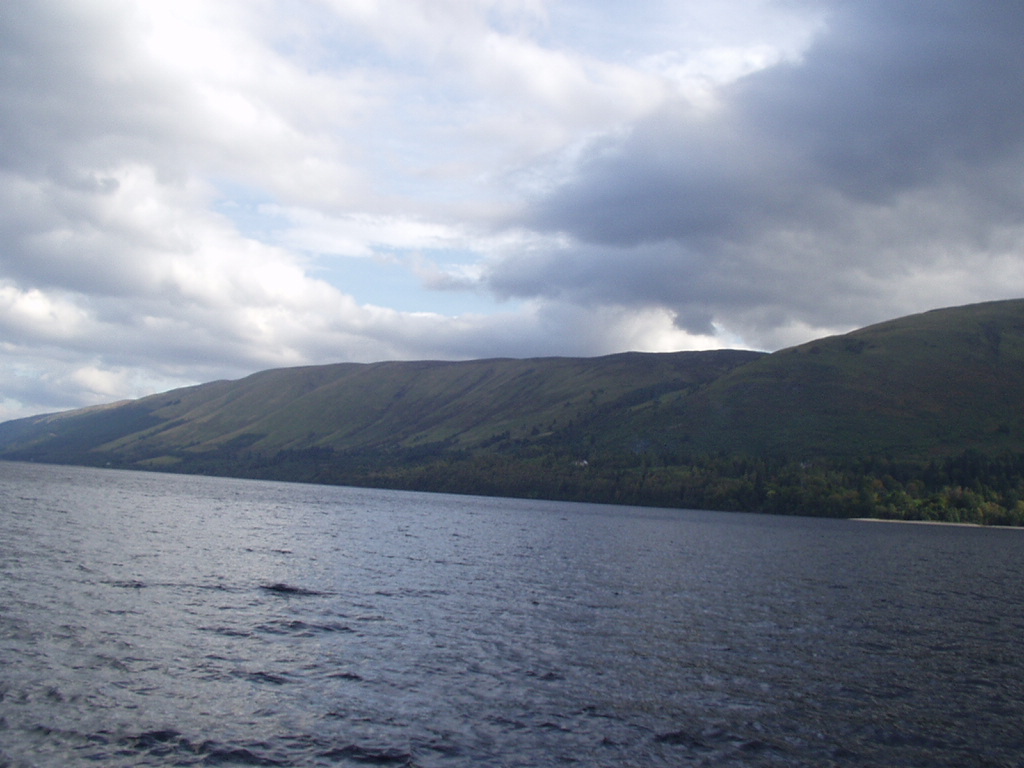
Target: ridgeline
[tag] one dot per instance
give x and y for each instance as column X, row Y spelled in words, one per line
column 915, row 418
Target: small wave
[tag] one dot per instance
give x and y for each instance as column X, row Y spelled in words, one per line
column 722, row 742
column 139, row 584
column 128, row 584
column 682, row 739
column 281, row 588
column 266, row 677
column 300, row 628
column 352, row 676
column 214, row 755
column 548, row 677
column 167, row 746
column 368, row 755
column 172, row 745
column 227, row 631
column 157, row 743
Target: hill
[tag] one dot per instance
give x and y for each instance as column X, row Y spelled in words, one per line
column 923, row 386
column 396, row 407
column 917, row 404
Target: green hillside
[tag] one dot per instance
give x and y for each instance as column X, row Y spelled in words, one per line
column 916, row 417
column 396, row 406
column 928, row 385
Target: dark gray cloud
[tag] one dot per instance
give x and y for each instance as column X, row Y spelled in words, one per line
column 813, row 184
column 897, row 95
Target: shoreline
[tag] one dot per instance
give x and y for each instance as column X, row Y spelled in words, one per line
column 934, row 522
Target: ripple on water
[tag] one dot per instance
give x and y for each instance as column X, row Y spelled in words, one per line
column 161, row 621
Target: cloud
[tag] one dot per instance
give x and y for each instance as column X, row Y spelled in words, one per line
column 197, row 190
column 359, row 235
column 827, row 191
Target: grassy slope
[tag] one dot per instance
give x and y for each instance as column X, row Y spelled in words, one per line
column 936, row 383
column 352, row 406
column 929, row 384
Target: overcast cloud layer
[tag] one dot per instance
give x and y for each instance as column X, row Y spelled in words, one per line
column 200, row 189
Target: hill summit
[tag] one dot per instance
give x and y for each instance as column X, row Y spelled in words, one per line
column 903, row 403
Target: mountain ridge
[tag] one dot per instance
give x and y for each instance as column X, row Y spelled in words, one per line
column 923, row 388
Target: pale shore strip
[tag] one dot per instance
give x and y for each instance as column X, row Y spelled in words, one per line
column 934, row 522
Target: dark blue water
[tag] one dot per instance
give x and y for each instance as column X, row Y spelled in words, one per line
column 156, row 620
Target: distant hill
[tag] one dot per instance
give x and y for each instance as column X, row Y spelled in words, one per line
column 423, row 406
column 628, row 427
column 927, row 385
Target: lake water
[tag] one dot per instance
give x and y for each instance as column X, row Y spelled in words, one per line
column 158, row 620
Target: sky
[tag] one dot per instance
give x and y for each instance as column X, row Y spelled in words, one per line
column 194, row 190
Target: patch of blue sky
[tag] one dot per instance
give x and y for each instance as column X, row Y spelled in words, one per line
column 407, row 281
column 404, row 279
column 242, row 204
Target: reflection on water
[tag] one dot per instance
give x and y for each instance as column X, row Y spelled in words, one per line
column 167, row 620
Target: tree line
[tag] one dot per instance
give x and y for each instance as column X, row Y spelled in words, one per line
column 971, row 487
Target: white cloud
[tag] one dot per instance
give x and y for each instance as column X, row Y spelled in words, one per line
column 197, row 189
column 359, row 234
column 33, row 316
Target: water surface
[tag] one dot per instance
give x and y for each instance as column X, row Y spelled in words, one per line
column 158, row 620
